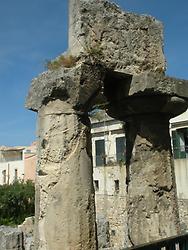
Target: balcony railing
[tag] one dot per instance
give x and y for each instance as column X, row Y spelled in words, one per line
column 179, row 242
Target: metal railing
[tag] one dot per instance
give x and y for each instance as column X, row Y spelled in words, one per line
column 179, row 242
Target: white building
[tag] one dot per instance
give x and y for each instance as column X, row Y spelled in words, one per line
column 109, row 174
column 179, row 133
column 11, row 164
column 17, row 163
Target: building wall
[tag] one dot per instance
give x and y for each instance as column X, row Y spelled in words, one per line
column 11, row 167
column 110, row 194
column 181, row 168
column 181, row 173
column 30, row 160
column 17, row 163
column 181, row 160
column 111, row 203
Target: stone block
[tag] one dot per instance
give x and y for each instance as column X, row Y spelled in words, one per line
column 11, row 238
column 126, row 42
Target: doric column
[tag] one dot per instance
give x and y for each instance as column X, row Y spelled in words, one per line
column 146, row 102
column 65, row 196
column 65, row 205
column 151, row 202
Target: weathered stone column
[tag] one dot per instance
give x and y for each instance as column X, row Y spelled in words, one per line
column 152, row 201
column 65, row 206
column 146, row 102
column 66, row 210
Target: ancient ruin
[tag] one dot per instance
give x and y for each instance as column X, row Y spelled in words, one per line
column 119, row 65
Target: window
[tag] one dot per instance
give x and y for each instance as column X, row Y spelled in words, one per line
column 116, row 182
column 15, row 174
column 96, row 185
column 4, row 176
column 180, row 143
column 120, row 149
column 100, row 152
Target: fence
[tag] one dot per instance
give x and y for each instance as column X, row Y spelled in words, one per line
column 179, row 242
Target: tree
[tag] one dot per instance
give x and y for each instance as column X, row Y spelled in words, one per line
column 16, row 202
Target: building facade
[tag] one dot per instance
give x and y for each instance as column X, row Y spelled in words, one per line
column 109, row 175
column 30, row 160
column 179, row 135
column 11, row 164
column 17, row 164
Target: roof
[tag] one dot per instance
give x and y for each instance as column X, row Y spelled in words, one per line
column 16, row 148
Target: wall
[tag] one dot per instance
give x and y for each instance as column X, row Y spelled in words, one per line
column 11, row 238
column 10, row 167
column 181, row 173
column 110, row 203
column 30, row 160
column 18, row 238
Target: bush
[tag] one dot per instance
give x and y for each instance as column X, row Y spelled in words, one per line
column 67, row 61
column 16, row 202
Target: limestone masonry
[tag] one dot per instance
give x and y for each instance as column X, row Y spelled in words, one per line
column 120, row 65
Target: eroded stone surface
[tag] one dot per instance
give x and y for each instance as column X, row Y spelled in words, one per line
column 129, row 42
column 76, row 85
column 103, row 233
column 152, row 202
column 11, row 238
column 155, row 83
column 65, row 208
column 144, row 94
column 65, row 195
column 27, row 228
column 183, row 212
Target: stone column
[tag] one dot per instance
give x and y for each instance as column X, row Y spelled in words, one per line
column 152, row 201
column 65, row 209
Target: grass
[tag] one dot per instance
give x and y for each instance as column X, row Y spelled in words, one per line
column 67, row 61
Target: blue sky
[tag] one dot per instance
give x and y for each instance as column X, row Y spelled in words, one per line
column 33, row 31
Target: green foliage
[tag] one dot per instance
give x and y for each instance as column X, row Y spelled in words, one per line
column 94, row 51
column 67, row 61
column 16, row 202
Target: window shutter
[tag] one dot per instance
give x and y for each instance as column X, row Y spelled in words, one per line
column 120, row 149
column 176, row 144
column 100, row 152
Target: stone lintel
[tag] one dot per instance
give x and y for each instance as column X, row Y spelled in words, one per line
column 154, row 83
column 146, row 93
column 74, row 85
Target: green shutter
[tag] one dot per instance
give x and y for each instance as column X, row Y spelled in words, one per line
column 177, row 150
column 181, row 133
column 100, row 152
column 176, row 144
column 120, row 149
